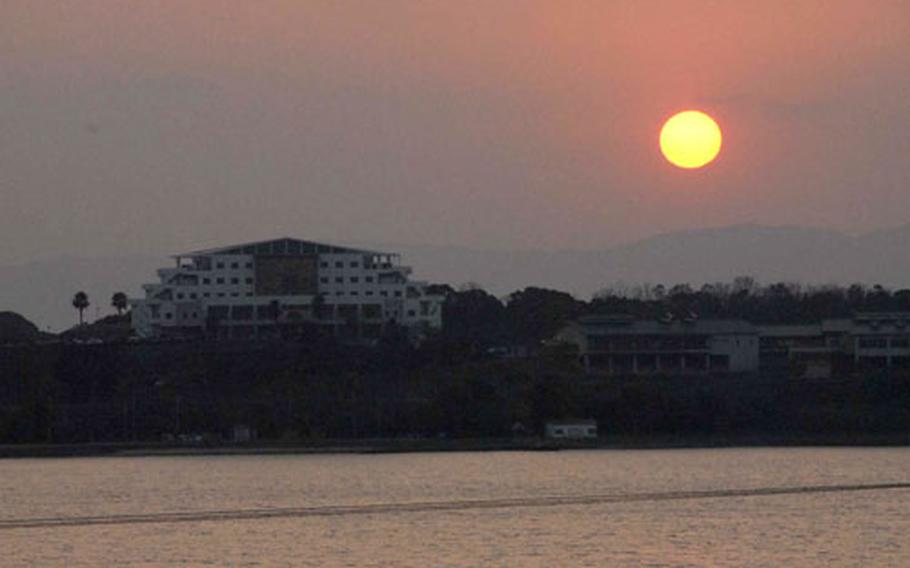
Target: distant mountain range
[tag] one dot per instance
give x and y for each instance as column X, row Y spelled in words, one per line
column 770, row 254
column 41, row 291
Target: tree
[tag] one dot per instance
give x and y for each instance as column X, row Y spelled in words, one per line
column 15, row 328
column 80, row 302
column 213, row 320
column 318, row 306
column 744, row 285
column 439, row 290
column 275, row 312
column 535, row 314
column 473, row 315
column 119, row 301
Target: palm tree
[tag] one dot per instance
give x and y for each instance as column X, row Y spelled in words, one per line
column 80, row 302
column 119, row 301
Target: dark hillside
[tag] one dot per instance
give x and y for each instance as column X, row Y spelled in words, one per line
column 16, row 329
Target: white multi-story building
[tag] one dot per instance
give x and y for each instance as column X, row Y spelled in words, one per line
column 267, row 288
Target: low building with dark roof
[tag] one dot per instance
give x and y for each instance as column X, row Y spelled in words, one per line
column 623, row 345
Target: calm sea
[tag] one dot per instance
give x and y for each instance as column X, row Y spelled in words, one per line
column 726, row 507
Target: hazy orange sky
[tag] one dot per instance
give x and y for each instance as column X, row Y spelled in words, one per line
column 156, row 127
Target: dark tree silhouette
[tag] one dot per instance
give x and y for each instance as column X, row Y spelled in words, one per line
column 535, row 314
column 119, row 301
column 80, row 302
column 318, row 306
column 275, row 311
column 474, row 316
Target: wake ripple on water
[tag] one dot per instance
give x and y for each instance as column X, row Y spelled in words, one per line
column 415, row 507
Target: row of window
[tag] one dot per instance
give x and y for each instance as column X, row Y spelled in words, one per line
column 191, row 281
column 234, row 265
column 323, row 264
column 383, row 293
column 882, row 342
column 340, row 264
column 249, row 280
column 266, row 312
column 223, row 281
column 169, row 315
column 355, row 264
column 234, row 281
column 601, row 343
column 352, row 280
column 194, row 296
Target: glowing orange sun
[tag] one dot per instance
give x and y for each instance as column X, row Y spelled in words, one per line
column 690, row 139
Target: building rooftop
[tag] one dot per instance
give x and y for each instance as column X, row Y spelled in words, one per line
column 285, row 246
column 609, row 325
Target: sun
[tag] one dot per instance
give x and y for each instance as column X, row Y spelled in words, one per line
column 690, row 139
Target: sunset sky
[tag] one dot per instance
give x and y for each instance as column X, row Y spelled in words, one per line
column 160, row 126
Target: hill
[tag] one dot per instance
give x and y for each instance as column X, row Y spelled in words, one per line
column 770, row 254
column 107, row 329
column 16, row 329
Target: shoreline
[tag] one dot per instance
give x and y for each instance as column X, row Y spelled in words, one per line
column 434, row 445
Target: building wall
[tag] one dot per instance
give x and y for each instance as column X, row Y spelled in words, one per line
column 741, row 351
column 286, row 275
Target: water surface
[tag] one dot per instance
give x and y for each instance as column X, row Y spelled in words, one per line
column 726, row 507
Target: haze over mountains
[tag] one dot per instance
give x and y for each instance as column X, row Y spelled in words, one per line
column 42, row 291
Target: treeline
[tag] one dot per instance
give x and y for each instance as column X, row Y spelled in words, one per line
column 310, row 388
column 529, row 316
column 488, row 373
column 308, row 392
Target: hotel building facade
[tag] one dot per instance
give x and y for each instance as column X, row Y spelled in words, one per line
column 269, row 288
